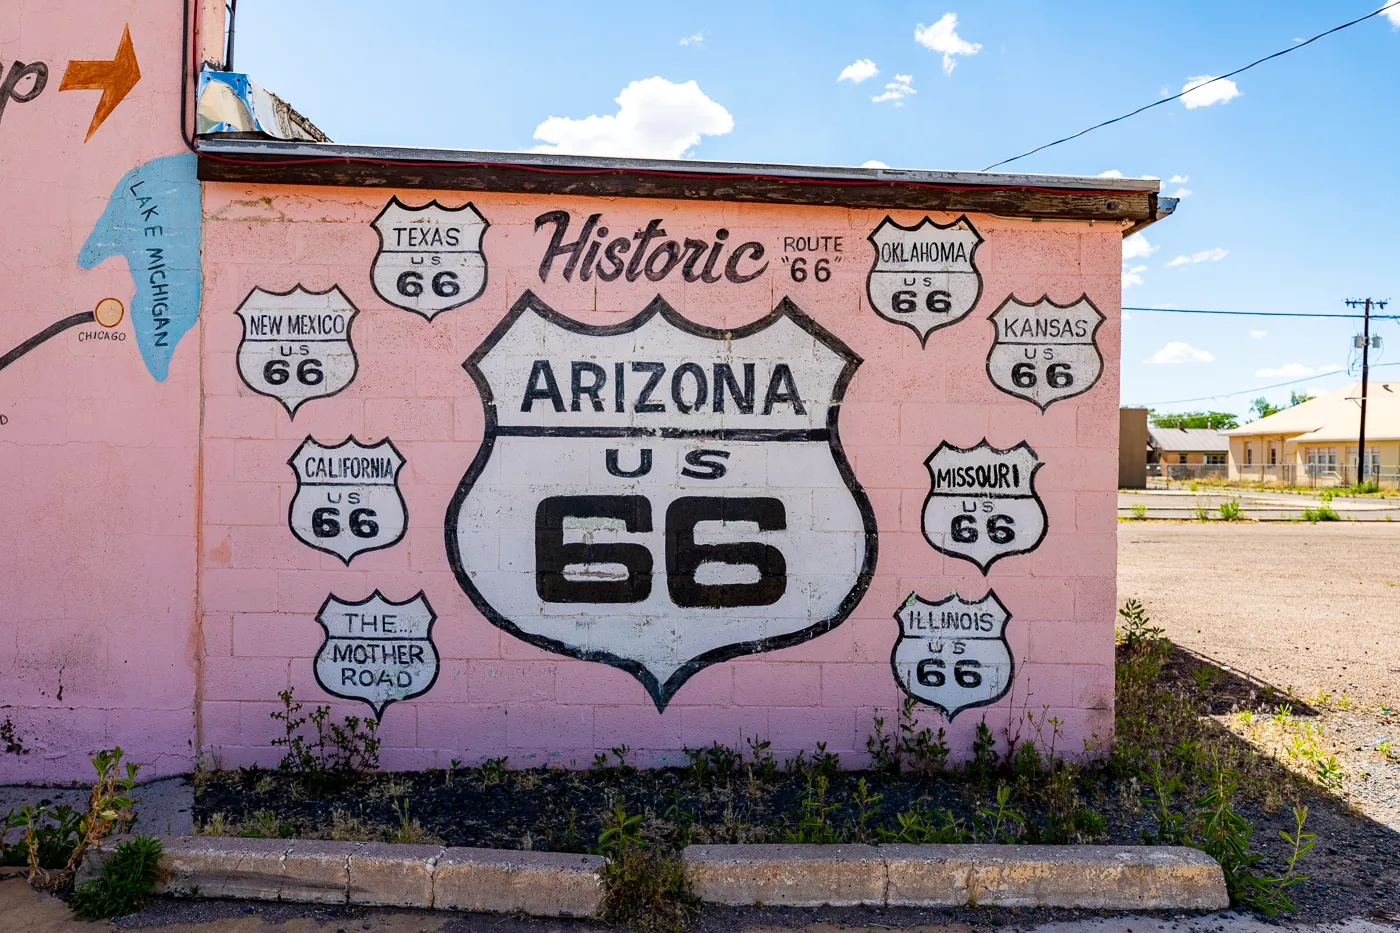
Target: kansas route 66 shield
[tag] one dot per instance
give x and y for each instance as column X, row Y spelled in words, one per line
column 925, row 276
column 348, row 499
column 1045, row 352
column 953, row 653
column 296, row 345
column 982, row 505
column 430, row 257
column 377, row 650
column 658, row 495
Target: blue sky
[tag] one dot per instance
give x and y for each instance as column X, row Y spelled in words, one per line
column 1292, row 182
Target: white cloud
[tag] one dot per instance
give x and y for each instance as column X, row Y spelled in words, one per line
column 1181, row 193
column 1258, row 334
column 1200, row 94
column 1179, row 351
column 655, row 119
column 1205, row 255
column 898, row 89
column 873, row 163
column 943, row 37
column 1133, row 276
column 1137, row 247
column 1178, row 179
column 1111, row 173
column 1295, row 371
column 1126, row 316
column 858, row 71
column 695, row 38
column 1393, row 14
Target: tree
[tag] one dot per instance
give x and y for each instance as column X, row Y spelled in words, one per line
column 1219, row 420
column 1297, row 398
column 1262, row 408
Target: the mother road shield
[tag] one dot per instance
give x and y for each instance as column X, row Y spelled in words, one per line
column 658, row 495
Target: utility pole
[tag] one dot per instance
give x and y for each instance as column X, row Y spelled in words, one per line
column 1365, row 378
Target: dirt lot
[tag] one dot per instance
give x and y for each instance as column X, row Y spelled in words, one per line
column 1314, row 607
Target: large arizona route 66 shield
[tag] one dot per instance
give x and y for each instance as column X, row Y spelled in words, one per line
column 296, row 345
column 982, row 505
column 658, row 495
column 925, row 276
column 1045, row 352
column 953, row 653
column 348, row 499
column 430, row 257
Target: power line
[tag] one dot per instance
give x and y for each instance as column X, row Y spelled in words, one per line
column 1167, row 100
column 1276, row 385
column 1392, row 317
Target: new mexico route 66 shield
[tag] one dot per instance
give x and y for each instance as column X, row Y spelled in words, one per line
column 661, row 496
column 953, row 654
column 348, row 499
column 982, row 505
column 925, row 276
column 296, row 345
column 377, row 650
column 1045, row 352
column 430, row 257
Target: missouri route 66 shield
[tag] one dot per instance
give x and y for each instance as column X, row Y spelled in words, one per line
column 430, row 257
column 377, row 650
column 296, row 345
column 925, row 276
column 1045, row 352
column 953, row 653
column 658, row 495
column 348, row 499
column 982, row 505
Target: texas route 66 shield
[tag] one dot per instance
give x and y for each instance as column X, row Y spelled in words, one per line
column 430, row 257
column 982, row 505
column 377, row 650
column 925, row 276
column 953, row 653
column 1045, row 352
column 348, row 499
column 296, row 345
column 661, row 496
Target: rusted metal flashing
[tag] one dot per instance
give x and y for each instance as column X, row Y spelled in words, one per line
column 1131, row 201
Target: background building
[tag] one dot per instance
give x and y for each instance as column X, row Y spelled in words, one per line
column 1186, row 453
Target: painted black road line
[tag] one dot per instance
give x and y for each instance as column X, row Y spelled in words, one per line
column 53, row 330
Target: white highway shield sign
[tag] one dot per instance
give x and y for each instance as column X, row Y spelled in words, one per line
column 925, row 276
column 1045, row 352
column 348, row 499
column 982, row 505
column 661, row 496
column 430, row 257
column 377, row 650
column 953, row 653
column 296, row 345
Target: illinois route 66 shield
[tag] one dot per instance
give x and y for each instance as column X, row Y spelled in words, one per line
column 377, row 650
column 348, row 499
column 430, row 257
column 982, row 505
column 925, row 276
column 1045, row 352
column 953, row 653
column 296, row 345
column 658, row 495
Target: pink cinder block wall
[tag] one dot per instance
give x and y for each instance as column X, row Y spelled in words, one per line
column 496, row 694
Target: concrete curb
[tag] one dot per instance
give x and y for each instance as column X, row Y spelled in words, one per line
column 1104, row 877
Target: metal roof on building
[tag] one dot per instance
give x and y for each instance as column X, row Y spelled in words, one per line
column 1187, row 440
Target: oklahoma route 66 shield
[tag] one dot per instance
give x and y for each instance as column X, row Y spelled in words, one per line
column 348, row 499
column 296, row 345
column 1045, row 352
column 377, row 650
column 430, row 257
column 658, row 495
column 953, row 653
column 982, row 505
column 925, row 276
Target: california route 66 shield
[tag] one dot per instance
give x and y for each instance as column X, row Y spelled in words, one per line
column 296, row 345
column 348, row 499
column 377, row 650
column 430, row 257
column 1045, row 352
column 925, row 276
column 953, row 653
column 982, row 505
column 658, row 495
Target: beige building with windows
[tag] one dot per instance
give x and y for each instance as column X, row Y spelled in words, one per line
column 1315, row 443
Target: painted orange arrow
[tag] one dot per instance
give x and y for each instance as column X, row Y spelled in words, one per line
column 114, row 79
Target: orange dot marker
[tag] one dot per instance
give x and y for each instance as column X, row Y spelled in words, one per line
column 109, row 312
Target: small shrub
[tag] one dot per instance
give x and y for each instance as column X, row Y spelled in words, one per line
column 814, row 826
column 49, row 836
column 1139, row 511
column 1202, row 513
column 984, row 754
column 1230, row 511
column 1323, row 513
column 762, row 765
column 125, row 884
column 338, row 756
column 925, row 827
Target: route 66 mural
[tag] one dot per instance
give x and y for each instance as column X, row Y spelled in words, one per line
column 296, row 344
column 661, row 496
column 348, row 499
column 982, row 505
column 377, row 650
column 1045, row 352
column 953, row 653
column 430, row 257
column 925, row 276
